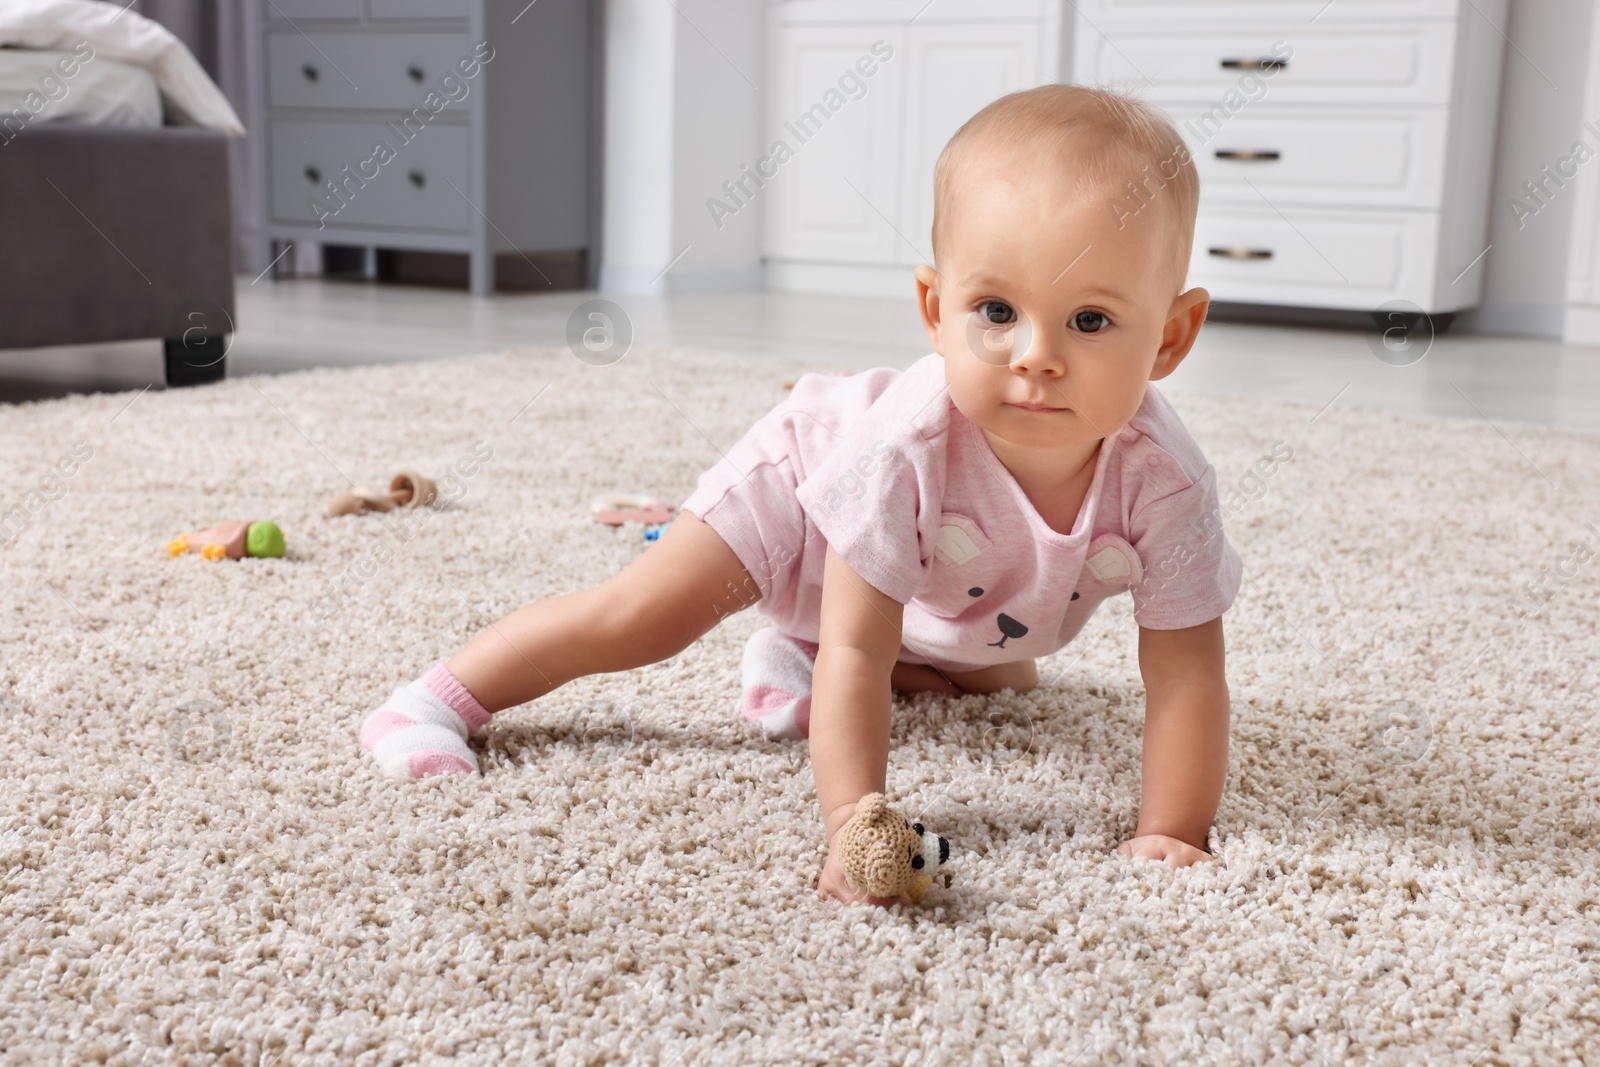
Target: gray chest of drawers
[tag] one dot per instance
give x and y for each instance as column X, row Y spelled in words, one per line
column 441, row 125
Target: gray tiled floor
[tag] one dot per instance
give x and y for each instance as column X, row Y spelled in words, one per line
column 293, row 324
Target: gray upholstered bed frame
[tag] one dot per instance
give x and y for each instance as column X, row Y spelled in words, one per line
column 112, row 233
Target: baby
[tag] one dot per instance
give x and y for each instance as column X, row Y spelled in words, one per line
column 939, row 529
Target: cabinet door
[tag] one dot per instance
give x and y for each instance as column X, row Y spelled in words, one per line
column 835, row 195
column 954, row 71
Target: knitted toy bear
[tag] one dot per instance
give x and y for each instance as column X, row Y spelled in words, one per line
column 884, row 854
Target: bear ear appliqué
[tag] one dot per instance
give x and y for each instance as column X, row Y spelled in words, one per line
column 959, row 540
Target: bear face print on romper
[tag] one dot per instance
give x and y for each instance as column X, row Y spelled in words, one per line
column 980, row 605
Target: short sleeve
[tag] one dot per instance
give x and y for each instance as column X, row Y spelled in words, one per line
column 874, row 498
column 1191, row 572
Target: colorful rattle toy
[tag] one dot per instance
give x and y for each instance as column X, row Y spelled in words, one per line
column 614, row 509
column 233, row 539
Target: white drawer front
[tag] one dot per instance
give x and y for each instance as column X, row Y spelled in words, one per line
column 411, row 191
column 1404, row 64
column 1337, row 259
column 1334, row 158
column 1287, row 12
column 369, row 70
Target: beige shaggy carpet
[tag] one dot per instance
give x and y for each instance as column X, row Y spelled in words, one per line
column 197, row 867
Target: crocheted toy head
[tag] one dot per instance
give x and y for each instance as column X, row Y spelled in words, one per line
column 884, row 854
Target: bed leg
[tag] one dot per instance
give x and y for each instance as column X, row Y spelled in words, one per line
column 198, row 361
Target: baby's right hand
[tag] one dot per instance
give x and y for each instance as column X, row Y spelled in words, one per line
column 833, row 885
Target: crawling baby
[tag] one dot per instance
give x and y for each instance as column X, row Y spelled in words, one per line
column 941, row 528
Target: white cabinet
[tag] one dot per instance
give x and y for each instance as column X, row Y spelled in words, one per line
column 864, row 96
column 1344, row 149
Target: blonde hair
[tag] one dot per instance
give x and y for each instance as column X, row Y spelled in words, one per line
column 1126, row 147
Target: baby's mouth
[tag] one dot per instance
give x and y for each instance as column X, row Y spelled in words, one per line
column 1033, row 405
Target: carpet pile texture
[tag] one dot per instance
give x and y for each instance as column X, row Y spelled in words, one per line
column 196, row 866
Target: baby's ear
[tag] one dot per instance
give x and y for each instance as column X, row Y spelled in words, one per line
column 928, row 303
column 1184, row 319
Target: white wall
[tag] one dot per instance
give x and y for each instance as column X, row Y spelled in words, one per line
column 718, row 116
column 1583, row 278
column 682, row 113
column 1541, row 102
column 636, row 195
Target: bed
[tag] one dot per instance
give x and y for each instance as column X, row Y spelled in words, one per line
column 115, row 214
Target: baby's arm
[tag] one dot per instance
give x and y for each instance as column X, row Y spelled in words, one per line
column 1185, row 742
column 850, row 700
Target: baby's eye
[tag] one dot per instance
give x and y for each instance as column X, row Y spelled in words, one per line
column 996, row 313
column 1090, row 321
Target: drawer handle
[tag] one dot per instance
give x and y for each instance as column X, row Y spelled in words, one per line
column 313, row 174
column 1250, row 155
column 1241, row 253
column 310, row 72
column 416, row 73
column 417, row 178
column 1264, row 63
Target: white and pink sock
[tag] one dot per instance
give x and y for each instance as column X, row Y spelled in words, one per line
column 776, row 679
column 422, row 728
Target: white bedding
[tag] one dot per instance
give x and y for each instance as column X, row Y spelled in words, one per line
column 110, row 32
column 62, row 87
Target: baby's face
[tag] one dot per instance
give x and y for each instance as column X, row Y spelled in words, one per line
column 1051, row 319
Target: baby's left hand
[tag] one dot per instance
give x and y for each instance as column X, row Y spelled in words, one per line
column 1173, row 852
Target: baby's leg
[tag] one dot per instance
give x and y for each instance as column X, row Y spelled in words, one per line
column 653, row 609
column 776, row 678
column 1022, row 676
